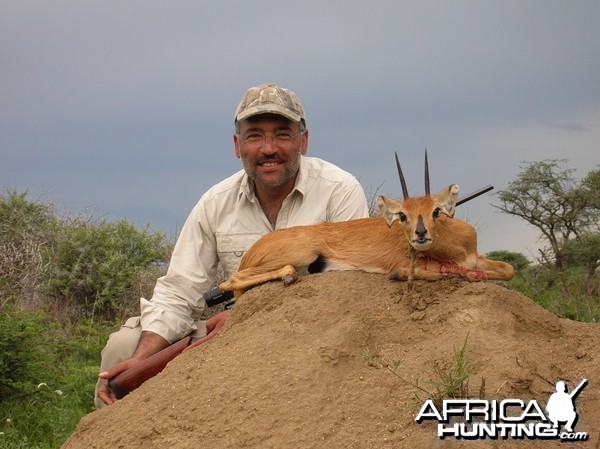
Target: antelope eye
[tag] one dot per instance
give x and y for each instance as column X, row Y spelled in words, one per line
column 436, row 212
column 402, row 217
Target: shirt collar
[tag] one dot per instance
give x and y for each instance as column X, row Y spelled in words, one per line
column 246, row 187
column 302, row 179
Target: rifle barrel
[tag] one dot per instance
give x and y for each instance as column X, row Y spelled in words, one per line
column 474, row 194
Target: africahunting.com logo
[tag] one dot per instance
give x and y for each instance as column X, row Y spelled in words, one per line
column 472, row 419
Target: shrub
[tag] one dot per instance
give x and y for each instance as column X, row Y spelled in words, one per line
column 517, row 260
column 45, row 406
column 22, row 352
column 26, row 232
column 74, row 263
column 96, row 266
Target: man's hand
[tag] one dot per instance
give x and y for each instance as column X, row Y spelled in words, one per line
column 150, row 343
column 213, row 326
column 105, row 393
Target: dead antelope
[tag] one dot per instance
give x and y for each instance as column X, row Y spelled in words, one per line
column 416, row 238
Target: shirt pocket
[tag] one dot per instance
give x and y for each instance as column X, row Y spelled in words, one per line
column 232, row 247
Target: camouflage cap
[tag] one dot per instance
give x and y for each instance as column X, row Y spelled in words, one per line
column 270, row 98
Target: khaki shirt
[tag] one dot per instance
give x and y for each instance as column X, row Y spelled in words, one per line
column 225, row 223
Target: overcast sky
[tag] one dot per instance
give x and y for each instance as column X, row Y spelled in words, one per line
column 126, row 107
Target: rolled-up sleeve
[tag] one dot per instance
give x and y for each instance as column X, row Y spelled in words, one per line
column 191, row 271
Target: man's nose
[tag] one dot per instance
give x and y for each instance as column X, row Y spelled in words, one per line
column 268, row 145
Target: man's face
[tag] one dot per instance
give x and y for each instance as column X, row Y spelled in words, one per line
column 272, row 162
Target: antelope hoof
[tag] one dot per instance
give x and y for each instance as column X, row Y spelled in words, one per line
column 289, row 279
column 398, row 275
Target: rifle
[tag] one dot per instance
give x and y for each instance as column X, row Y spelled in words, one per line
column 127, row 381
column 474, row 194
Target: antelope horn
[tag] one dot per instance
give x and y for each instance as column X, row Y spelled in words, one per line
column 427, row 187
column 402, row 180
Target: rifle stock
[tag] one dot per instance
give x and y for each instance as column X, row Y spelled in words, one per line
column 127, row 381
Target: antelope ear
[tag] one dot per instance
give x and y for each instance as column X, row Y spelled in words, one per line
column 390, row 209
column 446, row 200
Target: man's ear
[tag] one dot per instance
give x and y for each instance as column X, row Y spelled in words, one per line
column 236, row 145
column 304, row 143
column 390, row 209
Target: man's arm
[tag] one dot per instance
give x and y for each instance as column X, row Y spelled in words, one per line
column 149, row 344
column 191, row 272
column 167, row 317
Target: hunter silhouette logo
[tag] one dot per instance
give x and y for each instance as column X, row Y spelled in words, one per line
column 472, row 419
column 560, row 406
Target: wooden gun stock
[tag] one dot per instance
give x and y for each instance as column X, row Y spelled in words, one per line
column 127, row 381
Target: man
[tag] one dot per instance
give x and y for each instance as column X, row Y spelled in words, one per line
column 277, row 188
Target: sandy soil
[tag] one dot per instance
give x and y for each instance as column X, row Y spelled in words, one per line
column 304, row 367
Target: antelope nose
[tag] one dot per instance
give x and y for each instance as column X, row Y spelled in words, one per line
column 421, row 231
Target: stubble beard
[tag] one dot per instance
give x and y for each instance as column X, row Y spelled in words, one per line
column 292, row 165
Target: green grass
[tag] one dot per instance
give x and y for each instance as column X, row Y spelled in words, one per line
column 567, row 293
column 43, row 415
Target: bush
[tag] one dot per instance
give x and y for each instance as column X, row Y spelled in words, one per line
column 97, row 266
column 22, row 352
column 74, row 263
column 57, row 371
column 517, row 260
column 26, row 233
column 48, row 368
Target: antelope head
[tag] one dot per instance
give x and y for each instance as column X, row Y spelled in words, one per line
column 419, row 215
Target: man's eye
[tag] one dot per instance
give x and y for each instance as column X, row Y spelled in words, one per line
column 254, row 137
column 283, row 137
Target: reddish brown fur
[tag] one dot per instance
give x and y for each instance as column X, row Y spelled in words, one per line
column 373, row 245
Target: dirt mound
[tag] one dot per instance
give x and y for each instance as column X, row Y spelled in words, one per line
column 303, row 367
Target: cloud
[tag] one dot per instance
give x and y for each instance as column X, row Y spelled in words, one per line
column 128, row 106
column 567, row 126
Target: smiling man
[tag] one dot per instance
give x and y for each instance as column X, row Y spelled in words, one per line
column 279, row 187
column 271, row 146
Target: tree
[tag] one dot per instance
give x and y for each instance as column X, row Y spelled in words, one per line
column 591, row 185
column 584, row 251
column 549, row 198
